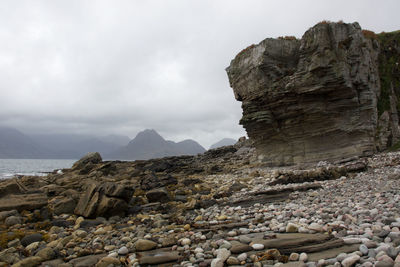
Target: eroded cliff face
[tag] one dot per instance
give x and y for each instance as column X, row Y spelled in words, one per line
column 311, row 99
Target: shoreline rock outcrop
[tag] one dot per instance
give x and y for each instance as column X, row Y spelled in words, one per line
column 220, row 208
column 311, row 99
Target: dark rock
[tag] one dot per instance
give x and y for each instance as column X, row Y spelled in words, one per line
column 12, row 220
column 7, row 213
column 383, row 233
column 151, row 181
column 108, row 169
column 62, row 223
column 116, row 190
column 222, row 194
column 181, row 198
column 206, row 203
column 90, row 223
column 29, row 239
column 158, row 195
column 236, row 186
column 191, row 181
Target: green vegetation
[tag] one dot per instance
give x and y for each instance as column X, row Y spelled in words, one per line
column 395, row 147
column 389, row 69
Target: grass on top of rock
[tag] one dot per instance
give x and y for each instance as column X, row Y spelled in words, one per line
column 395, row 147
column 389, row 69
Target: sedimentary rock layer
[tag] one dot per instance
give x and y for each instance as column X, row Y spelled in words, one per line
column 311, row 99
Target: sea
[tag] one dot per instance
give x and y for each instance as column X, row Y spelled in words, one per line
column 10, row 168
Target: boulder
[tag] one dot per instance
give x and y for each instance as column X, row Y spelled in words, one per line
column 111, row 206
column 158, row 195
column 104, row 200
column 89, row 158
column 62, row 205
column 29, row 239
column 10, row 187
column 116, row 190
column 309, row 100
column 87, row 203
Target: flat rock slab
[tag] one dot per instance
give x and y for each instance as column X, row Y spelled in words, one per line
column 332, row 253
column 158, row 256
column 273, row 195
column 299, row 242
column 294, row 264
column 289, row 241
column 85, row 261
column 23, row 202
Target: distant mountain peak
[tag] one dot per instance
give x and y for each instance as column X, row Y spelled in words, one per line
column 149, row 144
column 148, row 135
column 223, row 142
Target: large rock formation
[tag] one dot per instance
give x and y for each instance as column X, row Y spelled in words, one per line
column 311, row 99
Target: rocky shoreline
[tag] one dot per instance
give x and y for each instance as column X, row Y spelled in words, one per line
column 215, row 209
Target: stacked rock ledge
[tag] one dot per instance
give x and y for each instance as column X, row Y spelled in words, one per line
column 311, row 99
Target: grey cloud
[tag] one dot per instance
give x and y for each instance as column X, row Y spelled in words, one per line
column 123, row 66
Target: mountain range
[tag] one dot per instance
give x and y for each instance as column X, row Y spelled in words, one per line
column 147, row 144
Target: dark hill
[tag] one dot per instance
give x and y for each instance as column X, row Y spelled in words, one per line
column 149, row 144
column 14, row 144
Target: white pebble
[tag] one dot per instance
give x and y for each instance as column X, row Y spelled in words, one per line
column 303, row 257
column 257, row 246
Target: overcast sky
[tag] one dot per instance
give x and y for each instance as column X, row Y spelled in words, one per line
column 118, row 67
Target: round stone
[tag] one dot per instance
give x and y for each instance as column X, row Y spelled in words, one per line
column 185, row 241
column 29, row 239
column 223, row 254
column 303, row 257
column 245, row 239
column 144, row 245
column 12, row 220
column 242, row 257
column 217, row 263
column 232, row 261
column 292, row 228
column 349, row 261
column 294, row 257
column 123, row 251
column 232, row 233
column 257, row 246
column 363, row 249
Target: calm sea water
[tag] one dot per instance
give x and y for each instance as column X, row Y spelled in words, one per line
column 12, row 167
